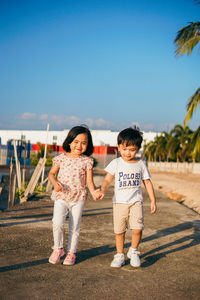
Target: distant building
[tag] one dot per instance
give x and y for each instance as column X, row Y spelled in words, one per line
column 100, row 137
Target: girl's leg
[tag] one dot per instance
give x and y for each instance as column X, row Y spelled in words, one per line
column 75, row 214
column 59, row 217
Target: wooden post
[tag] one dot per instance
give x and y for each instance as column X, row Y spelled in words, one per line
column 24, row 169
column 13, row 190
column 34, row 179
column 45, row 154
column 19, row 182
column 10, row 183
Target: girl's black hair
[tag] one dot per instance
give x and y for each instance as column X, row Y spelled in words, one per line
column 130, row 136
column 72, row 135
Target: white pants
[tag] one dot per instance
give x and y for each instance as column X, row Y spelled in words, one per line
column 60, row 212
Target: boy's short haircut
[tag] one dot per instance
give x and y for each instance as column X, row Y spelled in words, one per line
column 130, row 136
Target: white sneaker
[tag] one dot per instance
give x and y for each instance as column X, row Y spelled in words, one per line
column 134, row 257
column 118, row 260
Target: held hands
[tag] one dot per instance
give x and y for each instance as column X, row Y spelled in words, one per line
column 97, row 194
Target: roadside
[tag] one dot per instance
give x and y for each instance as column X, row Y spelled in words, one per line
column 184, row 188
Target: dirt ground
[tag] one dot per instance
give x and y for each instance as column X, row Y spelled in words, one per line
column 169, row 249
column 182, row 187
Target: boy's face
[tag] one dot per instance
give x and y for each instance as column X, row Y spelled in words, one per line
column 128, row 153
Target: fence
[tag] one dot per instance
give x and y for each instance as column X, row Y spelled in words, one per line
column 3, row 156
column 103, row 160
column 193, row 168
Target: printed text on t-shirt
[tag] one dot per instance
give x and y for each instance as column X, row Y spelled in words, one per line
column 127, row 180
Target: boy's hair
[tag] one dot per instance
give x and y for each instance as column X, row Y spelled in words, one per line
column 72, row 135
column 130, row 136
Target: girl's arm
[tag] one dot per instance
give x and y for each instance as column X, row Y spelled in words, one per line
column 107, row 181
column 52, row 177
column 149, row 187
column 91, row 186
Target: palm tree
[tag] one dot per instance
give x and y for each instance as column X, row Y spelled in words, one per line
column 187, row 38
column 180, row 142
column 196, row 142
column 192, row 105
column 150, row 151
column 161, row 146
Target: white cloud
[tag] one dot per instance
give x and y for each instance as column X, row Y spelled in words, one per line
column 28, row 120
column 43, row 117
column 28, row 115
column 73, row 120
column 101, row 123
column 89, row 122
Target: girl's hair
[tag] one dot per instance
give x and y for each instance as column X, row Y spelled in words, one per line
column 72, row 135
column 130, row 136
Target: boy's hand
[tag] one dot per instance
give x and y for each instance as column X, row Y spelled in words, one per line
column 57, row 186
column 153, row 207
column 97, row 194
column 101, row 195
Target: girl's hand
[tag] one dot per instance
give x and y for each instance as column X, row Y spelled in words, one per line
column 57, row 186
column 101, row 196
column 96, row 194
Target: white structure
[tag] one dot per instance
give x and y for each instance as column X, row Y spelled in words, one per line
column 100, row 137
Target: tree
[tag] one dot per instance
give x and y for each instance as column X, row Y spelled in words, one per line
column 186, row 39
column 196, row 142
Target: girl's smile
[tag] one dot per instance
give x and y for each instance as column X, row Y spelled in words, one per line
column 79, row 145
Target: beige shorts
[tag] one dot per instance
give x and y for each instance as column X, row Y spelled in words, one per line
column 122, row 213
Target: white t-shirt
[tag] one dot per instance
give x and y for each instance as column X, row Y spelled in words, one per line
column 128, row 179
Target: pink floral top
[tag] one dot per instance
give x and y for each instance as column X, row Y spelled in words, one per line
column 72, row 176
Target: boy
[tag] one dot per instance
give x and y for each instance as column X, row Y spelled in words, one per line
column 129, row 172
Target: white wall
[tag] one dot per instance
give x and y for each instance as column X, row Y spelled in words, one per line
column 100, row 137
column 185, row 168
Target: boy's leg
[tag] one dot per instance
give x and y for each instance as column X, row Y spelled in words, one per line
column 120, row 217
column 136, row 238
column 119, row 238
column 136, row 224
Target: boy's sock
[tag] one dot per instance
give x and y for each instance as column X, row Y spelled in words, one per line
column 135, row 249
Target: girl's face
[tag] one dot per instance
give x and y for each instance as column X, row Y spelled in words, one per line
column 79, row 144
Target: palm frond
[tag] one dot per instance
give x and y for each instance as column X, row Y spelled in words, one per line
column 196, row 140
column 192, row 105
column 187, row 38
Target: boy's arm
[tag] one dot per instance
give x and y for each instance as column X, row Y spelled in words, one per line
column 149, row 187
column 107, row 181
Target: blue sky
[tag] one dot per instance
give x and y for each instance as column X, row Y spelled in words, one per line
column 107, row 63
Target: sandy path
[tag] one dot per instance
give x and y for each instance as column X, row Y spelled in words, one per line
column 184, row 188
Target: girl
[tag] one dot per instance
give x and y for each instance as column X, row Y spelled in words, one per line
column 70, row 192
